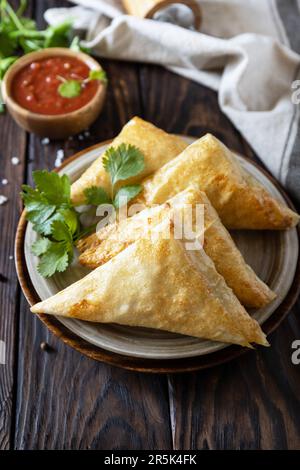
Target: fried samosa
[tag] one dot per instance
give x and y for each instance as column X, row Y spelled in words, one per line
column 159, row 285
column 157, row 146
column 100, row 247
column 241, row 202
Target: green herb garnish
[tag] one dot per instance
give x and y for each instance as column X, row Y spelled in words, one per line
column 69, row 89
column 53, row 216
column 49, row 209
column 19, row 33
column 72, row 88
column 121, row 163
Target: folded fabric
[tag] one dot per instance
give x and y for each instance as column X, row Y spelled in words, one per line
column 244, row 50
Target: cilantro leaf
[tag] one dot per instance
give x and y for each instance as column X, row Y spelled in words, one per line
column 77, row 46
column 70, row 89
column 58, row 35
column 98, row 75
column 41, row 246
column 96, row 196
column 125, row 194
column 5, row 64
column 44, row 227
column 71, row 219
column 61, row 233
column 55, row 259
column 56, row 188
column 123, row 162
column 38, row 209
column 8, row 45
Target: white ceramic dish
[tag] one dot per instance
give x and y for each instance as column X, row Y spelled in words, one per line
column 273, row 255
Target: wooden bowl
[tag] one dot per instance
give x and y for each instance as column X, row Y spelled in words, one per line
column 58, row 126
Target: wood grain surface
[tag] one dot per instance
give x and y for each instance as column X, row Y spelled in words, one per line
column 61, row 400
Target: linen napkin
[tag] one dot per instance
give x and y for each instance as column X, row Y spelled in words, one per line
column 247, row 51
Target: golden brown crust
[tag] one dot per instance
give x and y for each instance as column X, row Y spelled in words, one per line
column 241, row 202
column 159, row 285
column 218, row 244
column 157, row 146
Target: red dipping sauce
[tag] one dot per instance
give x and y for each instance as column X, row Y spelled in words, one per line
column 35, row 87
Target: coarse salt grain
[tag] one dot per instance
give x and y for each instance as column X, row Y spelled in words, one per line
column 45, row 141
column 4, row 182
column 80, row 137
column 60, row 154
column 15, row 161
column 3, row 199
column 11, row 257
column 57, row 162
column 87, row 133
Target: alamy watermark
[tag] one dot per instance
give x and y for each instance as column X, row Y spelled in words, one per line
column 295, row 358
column 2, row 353
column 184, row 223
column 296, row 93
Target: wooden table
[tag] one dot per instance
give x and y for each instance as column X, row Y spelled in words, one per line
column 62, row 400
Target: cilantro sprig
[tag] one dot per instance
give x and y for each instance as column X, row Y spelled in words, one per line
column 20, row 34
column 121, row 163
column 73, row 88
column 49, row 209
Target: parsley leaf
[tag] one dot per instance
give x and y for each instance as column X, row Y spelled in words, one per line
column 71, row 219
column 77, row 46
column 49, row 209
column 55, row 259
column 38, row 208
column 61, row 233
column 125, row 194
column 70, row 89
column 123, row 162
column 56, row 188
column 96, row 196
column 41, row 246
column 98, row 75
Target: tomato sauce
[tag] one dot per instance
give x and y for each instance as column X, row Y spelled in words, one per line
column 35, row 87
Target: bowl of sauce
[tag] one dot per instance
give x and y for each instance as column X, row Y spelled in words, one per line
column 55, row 92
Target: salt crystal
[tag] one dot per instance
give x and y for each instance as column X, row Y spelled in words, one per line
column 15, row 161
column 3, row 199
column 45, row 141
column 70, row 138
column 11, row 257
column 57, row 162
column 60, row 154
column 4, row 182
column 87, row 133
column 80, row 137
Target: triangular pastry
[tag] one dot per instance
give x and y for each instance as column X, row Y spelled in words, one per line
column 157, row 146
column 159, row 285
column 100, row 247
column 241, row 202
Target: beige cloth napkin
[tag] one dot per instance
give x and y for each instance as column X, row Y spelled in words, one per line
column 247, row 51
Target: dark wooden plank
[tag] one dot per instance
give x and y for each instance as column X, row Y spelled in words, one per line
column 66, row 401
column 12, row 144
column 252, row 402
column 184, row 107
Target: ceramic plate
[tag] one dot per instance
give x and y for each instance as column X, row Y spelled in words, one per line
column 273, row 256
